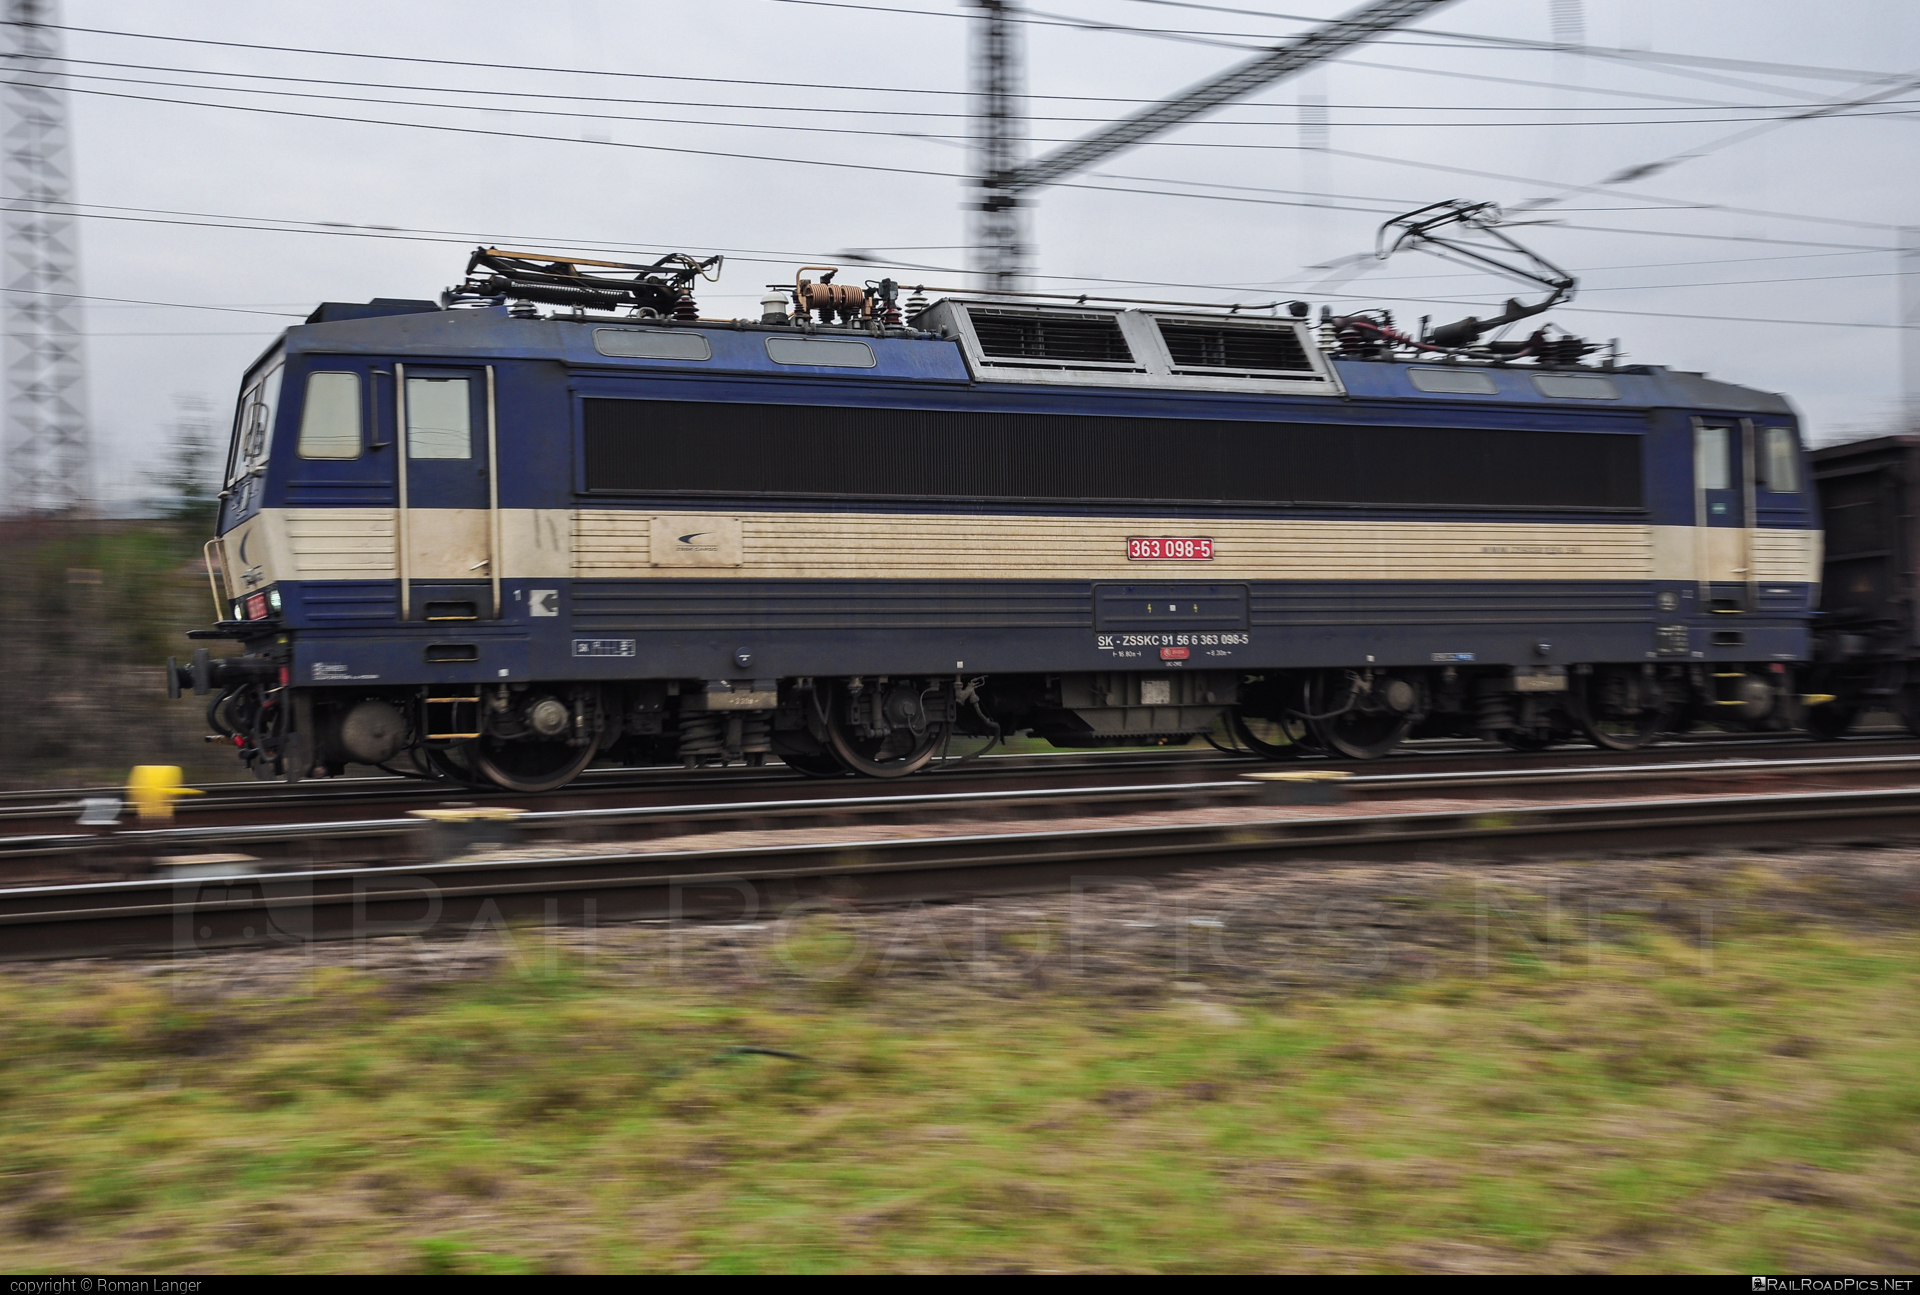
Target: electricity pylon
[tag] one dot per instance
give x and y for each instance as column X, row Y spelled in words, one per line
column 48, row 464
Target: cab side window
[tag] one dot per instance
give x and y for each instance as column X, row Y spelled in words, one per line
column 1713, row 457
column 439, row 419
column 330, row 423
column 1779, row 461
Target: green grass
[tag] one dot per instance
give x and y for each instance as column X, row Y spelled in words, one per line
column 1628, row 1114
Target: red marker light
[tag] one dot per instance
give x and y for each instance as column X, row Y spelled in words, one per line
column 1173, row 654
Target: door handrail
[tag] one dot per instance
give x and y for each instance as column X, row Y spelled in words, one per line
column 1748, row 550
column 493, row 495
column 213, row 586
column 400, row 531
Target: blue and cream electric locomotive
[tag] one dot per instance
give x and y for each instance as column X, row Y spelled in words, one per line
column 556, row 517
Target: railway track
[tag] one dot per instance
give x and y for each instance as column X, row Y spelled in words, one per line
column 340, row 842
column 51, row 812
column 398, row 881
column 450, row 897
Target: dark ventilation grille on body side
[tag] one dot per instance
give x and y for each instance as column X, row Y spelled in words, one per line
column 1064, row 339
column 1213, row 346
column 732, row 449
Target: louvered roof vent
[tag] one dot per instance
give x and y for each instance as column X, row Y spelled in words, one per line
column 1050, row 339
column 1209, row 346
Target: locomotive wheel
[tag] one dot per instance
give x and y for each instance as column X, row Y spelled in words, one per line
column 1269, row 739
column 893, row 756
column 529, row 766
column 1356, row 734
column 1616, row 733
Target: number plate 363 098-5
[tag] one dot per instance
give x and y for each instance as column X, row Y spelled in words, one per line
column 1169, row 548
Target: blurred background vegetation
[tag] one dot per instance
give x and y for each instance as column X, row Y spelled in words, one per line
column 89, row 612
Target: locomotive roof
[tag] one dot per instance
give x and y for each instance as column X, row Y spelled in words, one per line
column 405, row 330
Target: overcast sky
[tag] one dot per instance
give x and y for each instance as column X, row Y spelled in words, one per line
column 1765, row 261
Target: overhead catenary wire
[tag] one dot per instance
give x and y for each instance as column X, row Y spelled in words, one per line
column 864, row 88
column 1771, row 111
column 1848, row 250
column 277, row 224
column 575, row 114
column 1224, row 119
column 1689, row 66
column 1437, row 39
column 135, row 301
column 1489, row 40
column 836, row 164
column 793, row 256
column 374, row 233
column 1376, row 157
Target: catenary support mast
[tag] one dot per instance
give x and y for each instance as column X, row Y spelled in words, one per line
column 999, row 242
column 48, row 465
column 1001, row 251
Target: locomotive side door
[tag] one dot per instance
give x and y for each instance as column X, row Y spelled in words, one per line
column 342, row 439
column 449, row 493
column 1723, row 505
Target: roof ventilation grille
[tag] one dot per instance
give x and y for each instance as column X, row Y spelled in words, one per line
column 1062, row 339
column 1240, row 349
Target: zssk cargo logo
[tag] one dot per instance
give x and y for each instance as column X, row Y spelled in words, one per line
column 685, row 544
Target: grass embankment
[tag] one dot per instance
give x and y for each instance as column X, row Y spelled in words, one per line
column 1626, row 1106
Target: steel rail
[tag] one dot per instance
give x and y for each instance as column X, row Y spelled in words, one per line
column 275, row 794
column 928, row 805
column 187, row 915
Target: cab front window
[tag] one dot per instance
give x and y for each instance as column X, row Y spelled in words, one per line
column 253, row 421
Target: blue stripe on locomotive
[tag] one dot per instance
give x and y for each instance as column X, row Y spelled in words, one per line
column 693, row 629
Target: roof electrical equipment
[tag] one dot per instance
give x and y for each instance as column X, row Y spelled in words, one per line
column 662, row 289
column 831, row 301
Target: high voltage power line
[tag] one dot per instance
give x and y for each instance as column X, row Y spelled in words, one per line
column 288, row 227
column 903, row 170
column 559, row 96
column 575, row 114
column 767, row 256
column 929, row 172
column 1782, row 69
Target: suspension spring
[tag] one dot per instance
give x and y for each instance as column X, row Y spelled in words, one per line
column 1495, row 712
column 702, row 737
column 756, row 731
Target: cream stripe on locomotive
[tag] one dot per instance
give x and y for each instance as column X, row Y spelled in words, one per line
column 361, row 543
column 611, row 543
